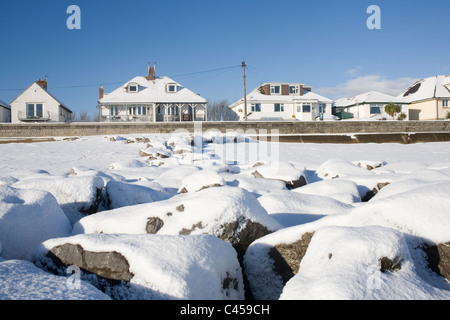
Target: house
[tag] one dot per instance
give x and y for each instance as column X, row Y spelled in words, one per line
column 428, row 98
column 368, row 106
column 283, row 101
column 151, row 99
column 5, row 112
column 36, row 104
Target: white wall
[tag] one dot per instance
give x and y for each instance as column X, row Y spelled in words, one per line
column 289, row 113
column 5, row 114
column 35, row 94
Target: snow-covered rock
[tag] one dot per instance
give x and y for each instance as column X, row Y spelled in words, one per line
column 338, row 168
column 27, row 218
column 135, row 266
column 22, row 280
column 291, row 208
column 421, row 212
column 343, row 190
column 365, row 263
column 77, row 195
column 230, row 213
column 203, row 179
column 122, row 194
column 283, row 171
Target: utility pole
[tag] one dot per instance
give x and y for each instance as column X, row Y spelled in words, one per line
column 245, row 92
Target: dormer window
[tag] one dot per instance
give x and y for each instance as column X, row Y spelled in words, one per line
column 171, row 88
column 133, row 88
column 275, row 89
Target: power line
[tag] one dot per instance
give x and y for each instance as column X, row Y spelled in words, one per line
column 112, row 83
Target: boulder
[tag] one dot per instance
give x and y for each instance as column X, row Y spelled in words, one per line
column 22, row 280
column 133, row 267
column 361, row 263
column 27, row 218
column 236, row 216
column 120, row 194
column 283, row 171
column 77, row 195
column 402, row 212
column 203, row 179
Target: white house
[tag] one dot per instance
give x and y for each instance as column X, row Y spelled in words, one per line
column 36, row 104
column 428, row 98
column 276, row 101
column 368, row 106
column 5, row 112
column 151, row 99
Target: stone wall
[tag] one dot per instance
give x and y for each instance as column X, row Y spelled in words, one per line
column 316, row 131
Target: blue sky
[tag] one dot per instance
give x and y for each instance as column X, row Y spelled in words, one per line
column 325, row 44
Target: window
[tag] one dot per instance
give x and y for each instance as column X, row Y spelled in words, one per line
column 445, row 103
column 256, row 107
column 279, row 107
column 375, row 109
column 171, row 88
column 35, row 110
column 293, row 89
column 306, row 108
column 133, row 87
column 322, row 108
column 113, row 111
column 275, row 89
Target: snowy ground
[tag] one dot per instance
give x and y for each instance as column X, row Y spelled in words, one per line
column 49, row 190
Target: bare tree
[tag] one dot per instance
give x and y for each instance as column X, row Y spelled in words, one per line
column 220, row 111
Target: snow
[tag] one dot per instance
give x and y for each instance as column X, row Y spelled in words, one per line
column 45, row 186
column 151, row 91
column 367, row 98
column 428, row 88
column 174, row 274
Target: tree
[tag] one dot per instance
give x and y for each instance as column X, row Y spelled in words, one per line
column 392, row 109
column 219, row 111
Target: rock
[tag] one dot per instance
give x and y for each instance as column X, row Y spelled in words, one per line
column 235, row 216
column 198, row 181
column 120, row 194
column 77, row 195
column 27, row 218
column 133, row 267
column 22, row 280
column 283, row 171
column 438, row 256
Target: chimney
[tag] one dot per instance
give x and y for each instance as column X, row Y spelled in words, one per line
column 151, row 73
column 42, row 83
column 101, row 92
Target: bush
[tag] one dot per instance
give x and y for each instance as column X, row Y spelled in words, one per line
column 392, row 109
column 401, row 116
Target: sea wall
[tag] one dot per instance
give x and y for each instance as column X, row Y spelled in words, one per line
column 298, row 131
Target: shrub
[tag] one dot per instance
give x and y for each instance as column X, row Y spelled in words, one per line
column 392, row 109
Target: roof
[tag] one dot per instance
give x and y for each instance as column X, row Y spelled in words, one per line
column 4, row 104
column 436, row 87
column 367, row 98
column 46, row 91
column 151, row 91
column 256, row 95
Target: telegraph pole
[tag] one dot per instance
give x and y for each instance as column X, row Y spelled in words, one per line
column 245, row 92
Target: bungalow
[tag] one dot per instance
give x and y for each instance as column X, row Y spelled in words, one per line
column 283, row 101
column 368, row 106
column 36, row 104
column 151, row 99
column 429, row 98
column 5, row 112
